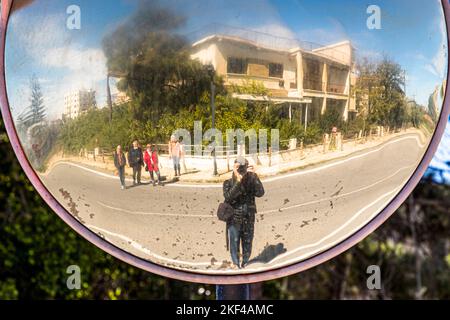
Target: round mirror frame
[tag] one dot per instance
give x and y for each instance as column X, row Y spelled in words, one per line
column 202, row 278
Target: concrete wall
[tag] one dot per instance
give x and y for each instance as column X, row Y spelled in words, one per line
column 208, row 53
column 337, row 80
column 217, row 53
column 341, row 52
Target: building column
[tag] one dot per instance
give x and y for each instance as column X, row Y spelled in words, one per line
column 299, row 59
column 324, row 105
column 345, row 114
column 325, row 77
column 290, row 112
column 349, row 95
column 348, row 83
column 324, row 88
column 306, row 116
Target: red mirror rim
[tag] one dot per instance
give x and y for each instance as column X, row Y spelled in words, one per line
column 203, row 278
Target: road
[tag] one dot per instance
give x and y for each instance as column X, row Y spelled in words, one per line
column 301, row 214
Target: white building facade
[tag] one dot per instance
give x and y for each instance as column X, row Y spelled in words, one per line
column 308, row 82
column 79, row 102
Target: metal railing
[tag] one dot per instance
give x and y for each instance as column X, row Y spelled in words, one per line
column 286, row 146
column 319, row 85
column 264, row 39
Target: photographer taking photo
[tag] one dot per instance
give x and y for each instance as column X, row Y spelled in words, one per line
column 240, row 192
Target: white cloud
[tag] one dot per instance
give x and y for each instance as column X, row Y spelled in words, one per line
column 438, row 65
column 31, row 39
column 372, row 55
column 80, row 69
column 276, row 29
column 90, row 61
column 276, row 35
column 60, row 64
column 83, row 67
column 335, row 32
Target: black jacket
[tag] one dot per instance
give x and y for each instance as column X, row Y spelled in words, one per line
column 116, row 160
column 241, row 196
column 135, row 157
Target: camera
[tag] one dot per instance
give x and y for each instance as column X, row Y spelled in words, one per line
column 243, row 169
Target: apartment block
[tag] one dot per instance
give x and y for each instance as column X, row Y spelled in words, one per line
column 78, row 102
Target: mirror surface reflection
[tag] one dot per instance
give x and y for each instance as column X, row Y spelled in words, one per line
column 296, row 125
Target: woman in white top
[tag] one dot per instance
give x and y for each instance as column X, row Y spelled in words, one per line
column 175, row 154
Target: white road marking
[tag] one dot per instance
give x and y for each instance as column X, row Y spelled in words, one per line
column 332, row 164
column 338, row 196
column 339, row 229
column 142, row 249
column 146, row 251
column 304, row 204
column 283, row 176
column 135, row 212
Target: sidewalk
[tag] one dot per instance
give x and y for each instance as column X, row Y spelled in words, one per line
column 283, row 162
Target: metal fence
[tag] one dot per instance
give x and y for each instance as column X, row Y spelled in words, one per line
column 262, row 38
column 330, row 142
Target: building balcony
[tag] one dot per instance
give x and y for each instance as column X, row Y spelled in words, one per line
column 315, row 85
column 336, row 88
column 243, row 79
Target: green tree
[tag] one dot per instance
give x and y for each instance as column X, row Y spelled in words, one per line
column 154, row 63
column 379, row 92
column 94, row 129
column 36, row 247
column 36, row 112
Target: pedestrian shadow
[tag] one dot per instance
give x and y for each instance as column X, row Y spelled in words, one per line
column 166, row 181
column 192, row 171
column 269, row 253
column 132, row 186
column 147, row 182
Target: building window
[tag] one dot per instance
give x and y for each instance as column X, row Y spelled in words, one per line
column 312, row 74
column 237, row 65
column 275, row 70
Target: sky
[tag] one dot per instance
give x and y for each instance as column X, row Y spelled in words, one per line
column 39, row 43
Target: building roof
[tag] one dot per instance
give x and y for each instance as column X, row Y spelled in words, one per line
column 218, row 37
column 240, row 40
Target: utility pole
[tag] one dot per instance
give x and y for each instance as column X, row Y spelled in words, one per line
column 109, row 99
column 211, row 72
column 233, row 292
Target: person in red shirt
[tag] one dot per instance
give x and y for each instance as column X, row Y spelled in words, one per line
column 151, row 163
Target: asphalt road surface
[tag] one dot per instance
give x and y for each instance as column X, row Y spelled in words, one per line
column 301, row 214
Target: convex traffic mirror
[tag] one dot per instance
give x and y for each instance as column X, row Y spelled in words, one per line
column 224, row 141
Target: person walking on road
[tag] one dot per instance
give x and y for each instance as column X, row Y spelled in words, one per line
column 136, row 161
column 175, row 154
column 120, row 162
column 151, row 163
column 240, row 192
